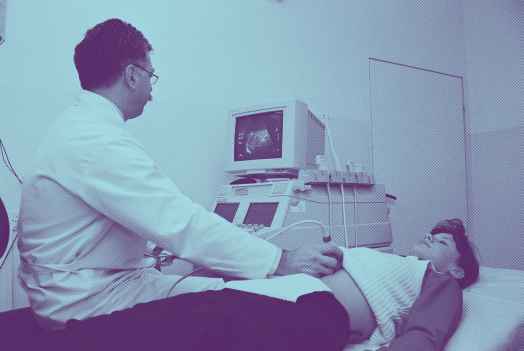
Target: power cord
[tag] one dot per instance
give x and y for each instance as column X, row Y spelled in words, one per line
column 8, row 252
column 7, row 162
column 355, row 216
column 166, row 259
column 9, row 166
column 326, row 237
column 162, row 259
column 331, row 143
column 182, row 278
column 342, row 191
column 330, row 214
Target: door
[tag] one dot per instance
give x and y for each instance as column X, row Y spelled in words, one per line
column 418, row 147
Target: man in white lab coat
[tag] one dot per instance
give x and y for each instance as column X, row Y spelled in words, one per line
column 95, row 198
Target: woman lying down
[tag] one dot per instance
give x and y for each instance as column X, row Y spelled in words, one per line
column 408, row 303
column 387, row 301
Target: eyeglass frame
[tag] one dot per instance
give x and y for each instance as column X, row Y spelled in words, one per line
column 152, row 76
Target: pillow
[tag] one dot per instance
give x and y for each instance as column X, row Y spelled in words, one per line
column 489, row 324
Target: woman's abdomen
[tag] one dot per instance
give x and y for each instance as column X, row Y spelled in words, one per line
column 347, row 292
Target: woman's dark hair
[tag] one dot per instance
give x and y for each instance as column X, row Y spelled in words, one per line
column 105, row 50
column 467, row 260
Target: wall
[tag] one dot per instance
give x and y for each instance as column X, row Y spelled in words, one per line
column 215, row 55
column 212, row 57
column 260, row 51
column 495, row 110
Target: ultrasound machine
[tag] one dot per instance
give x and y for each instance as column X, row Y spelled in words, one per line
column 281, row 194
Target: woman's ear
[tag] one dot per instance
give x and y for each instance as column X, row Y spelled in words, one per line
column 456, row 271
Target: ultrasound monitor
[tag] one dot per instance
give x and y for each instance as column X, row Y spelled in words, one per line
column 261, row 213
column 227, row 210
column 274, row 138
column 258, row 136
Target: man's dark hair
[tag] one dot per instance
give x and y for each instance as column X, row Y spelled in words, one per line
column 467, row 260
column 106, row 50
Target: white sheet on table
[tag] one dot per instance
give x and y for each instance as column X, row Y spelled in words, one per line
column 289, row 287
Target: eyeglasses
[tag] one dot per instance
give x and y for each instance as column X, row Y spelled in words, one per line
column 153, row 77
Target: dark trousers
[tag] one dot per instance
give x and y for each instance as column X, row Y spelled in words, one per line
column 226, row 320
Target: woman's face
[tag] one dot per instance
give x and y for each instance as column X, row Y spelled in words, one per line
column 440, row 249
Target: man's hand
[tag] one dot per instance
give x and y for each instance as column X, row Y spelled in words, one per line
column 316, row 260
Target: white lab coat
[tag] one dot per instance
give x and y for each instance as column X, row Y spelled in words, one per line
column 87, row 211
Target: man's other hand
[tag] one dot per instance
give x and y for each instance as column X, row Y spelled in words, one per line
column 316, row 260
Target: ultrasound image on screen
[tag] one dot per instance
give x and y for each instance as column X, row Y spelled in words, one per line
column 259, row 136
column 226, row 210
column 261, row 213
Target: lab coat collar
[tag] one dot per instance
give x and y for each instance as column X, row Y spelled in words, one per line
column 102, row 104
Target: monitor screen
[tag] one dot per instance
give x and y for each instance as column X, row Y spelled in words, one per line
column 258, row 136
column 261, row 213
column 227, row 210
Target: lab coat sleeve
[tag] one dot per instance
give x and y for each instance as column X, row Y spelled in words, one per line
column 121, row 181
column 434, row 317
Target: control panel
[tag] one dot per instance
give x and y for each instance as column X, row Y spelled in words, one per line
column 354, row 214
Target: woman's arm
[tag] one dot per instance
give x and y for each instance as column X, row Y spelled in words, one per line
column 434, row 317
